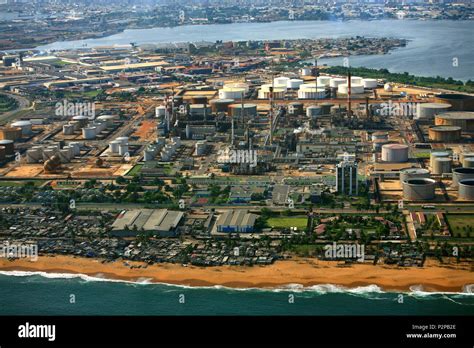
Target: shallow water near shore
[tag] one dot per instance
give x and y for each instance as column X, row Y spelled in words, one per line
column 33, row 293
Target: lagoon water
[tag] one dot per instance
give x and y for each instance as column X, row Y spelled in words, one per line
column 27, row 293
column 433, row 47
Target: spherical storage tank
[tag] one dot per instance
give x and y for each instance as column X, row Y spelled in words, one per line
column 8, row 145
column 25, row 126
column 442, row 165
column 427, row 111
column 466, row 190
column 462, row 119
column 369, row 83
column 395, row 153
column 444, row 133
column 419, row 189
column 413, row 173
column 221, row 105
column 462, row 173
column 388, row 87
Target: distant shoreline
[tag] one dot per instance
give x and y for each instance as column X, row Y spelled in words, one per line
column 434, row 277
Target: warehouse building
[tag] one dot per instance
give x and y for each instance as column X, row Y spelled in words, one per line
column 161, row 222
column 240, row 221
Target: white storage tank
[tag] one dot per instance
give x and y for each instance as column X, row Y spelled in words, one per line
column 77, row 148
column 427, row 111
column 68, row 129
column 82, row 120
column 336, row 81
column 308, row 91
column 306, row 71
column 369, row 83
column 107, row 119
column 114, row 146
column 294, row 83
column 123, row 149
column 26, row 127
column 160, row 111
column 231, row 93
column 355, row 88
column 396, row 153
column 323, row 81
column 437, row 154
column 281, row 81
column 357, row 80
column 34, row 155
column 388, row 87
column 442, row 165
column 89, row 133
column 413, row 173
column 123, row 140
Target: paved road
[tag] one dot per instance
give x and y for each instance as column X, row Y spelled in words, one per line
column 23, row 103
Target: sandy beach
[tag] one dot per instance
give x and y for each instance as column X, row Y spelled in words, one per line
column 307, row 272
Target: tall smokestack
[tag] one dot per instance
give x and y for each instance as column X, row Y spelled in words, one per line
column 349, row 107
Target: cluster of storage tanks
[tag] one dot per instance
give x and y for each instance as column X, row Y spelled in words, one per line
column 165, row 150
column 43, row 153
column 89, row 130
column 395, row 153
column 7, row 148
column 119, row 146
column 315, row 90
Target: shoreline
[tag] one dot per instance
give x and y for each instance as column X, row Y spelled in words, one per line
column 433, row 277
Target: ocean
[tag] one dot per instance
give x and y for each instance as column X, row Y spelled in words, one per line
column 36, row 293
column 433, row 47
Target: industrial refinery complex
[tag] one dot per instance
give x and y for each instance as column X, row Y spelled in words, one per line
column 246, row 143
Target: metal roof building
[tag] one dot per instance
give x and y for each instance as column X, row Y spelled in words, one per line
column 158, row 221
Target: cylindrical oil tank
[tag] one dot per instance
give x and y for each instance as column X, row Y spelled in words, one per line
column 427, row 111
column 231, row 93
column 76, row 125
column 249, row 110
column 419, row 189
column 308, row 91
column 466, row 190
column 34, row 155
column 356, row 80
column 89, row 133
column 335, row 82
column 413, row 173
column 369, row 83
column 123, row 149
column 437, row 154
column 462, row 119
column 107, row 119
column 25, row 126
column 326, row 108
column 379, row 136
column 10, row 133
column 356, row 88
column 278, row 92
column 160, row 111
column 294, row 83
column 68, row 129
column 444, row 133
column 3, row 154
column 64, row 156
column 396, row 153
column 306, row 71
column 114, row 146
column 123, row 140
column 82, row 120
column 9, row 146
column 313, row 111
column 199, row 110
column 468, row 162
column 458, row 102
column 461, row 174
column 281, row 81
column 77, row 148
column 199, row 99
column 295, row 108
column 323, row 81
column 221, row 105
column 442, row 165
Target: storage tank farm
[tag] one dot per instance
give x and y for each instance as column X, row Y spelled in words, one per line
column 419, row 189
column 427, row 111
column 396, row 153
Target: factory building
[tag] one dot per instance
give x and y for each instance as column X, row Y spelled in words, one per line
column 346, row 178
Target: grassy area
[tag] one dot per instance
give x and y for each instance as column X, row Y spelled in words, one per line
column 461, row 225
column 7, row 103
column 135, row 170
column 88, row 94
column 36, row 183
column 305, row 250
column 422, row 154
column 286, row 222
